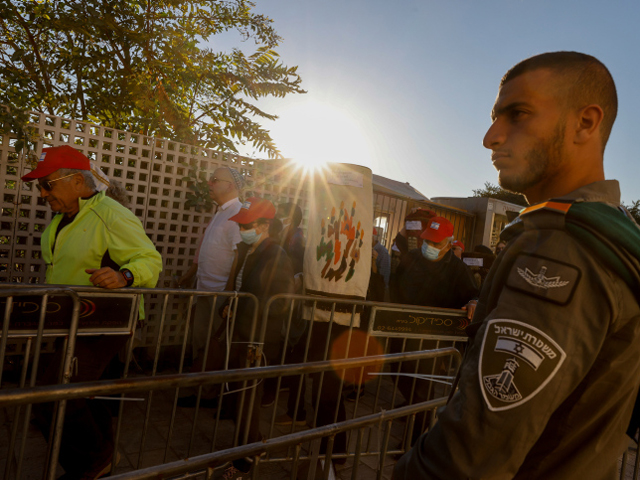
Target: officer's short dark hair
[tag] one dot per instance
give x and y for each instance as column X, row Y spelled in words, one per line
column 584, row 80
column 291, row 210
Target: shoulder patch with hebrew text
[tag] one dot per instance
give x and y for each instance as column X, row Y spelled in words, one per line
column 517, row 361
column 544, row 278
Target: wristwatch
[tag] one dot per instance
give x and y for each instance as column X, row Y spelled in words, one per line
column 128, row 276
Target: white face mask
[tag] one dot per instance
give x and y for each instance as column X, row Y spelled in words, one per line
column 250, row 236
column 429, row 252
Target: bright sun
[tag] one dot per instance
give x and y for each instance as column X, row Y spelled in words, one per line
column 313, row 134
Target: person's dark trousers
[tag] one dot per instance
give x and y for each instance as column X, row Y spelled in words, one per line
column 87, row 436
column 296, row 382
column 330, row 393
column 249, row 418
column 272, row 350
column 423, row 389
column 294, row 354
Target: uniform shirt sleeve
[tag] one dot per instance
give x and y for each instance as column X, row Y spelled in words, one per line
column 130, row 248
column 531, row 352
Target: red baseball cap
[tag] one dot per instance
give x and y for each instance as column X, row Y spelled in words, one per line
column 437, row 230
column 458, row 243
column 254, row 208
column 55, row 158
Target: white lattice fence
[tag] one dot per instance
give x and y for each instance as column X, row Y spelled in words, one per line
column 152, row 171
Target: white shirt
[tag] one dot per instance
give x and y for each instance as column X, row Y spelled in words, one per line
column 216, row 250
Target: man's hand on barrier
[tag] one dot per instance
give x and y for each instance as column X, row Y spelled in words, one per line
column 470, row 307
column 106, row 277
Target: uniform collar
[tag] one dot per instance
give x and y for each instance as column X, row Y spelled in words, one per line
column 604, row 191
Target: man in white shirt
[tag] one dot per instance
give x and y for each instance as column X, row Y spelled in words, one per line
column 214, row 259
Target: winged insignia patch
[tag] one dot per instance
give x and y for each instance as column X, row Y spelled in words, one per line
column 540, row 280
column 529, row 276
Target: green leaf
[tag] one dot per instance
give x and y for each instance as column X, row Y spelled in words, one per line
column 19, row 146
column 145, row 70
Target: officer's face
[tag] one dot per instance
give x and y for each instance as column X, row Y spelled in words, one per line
column 527, row 136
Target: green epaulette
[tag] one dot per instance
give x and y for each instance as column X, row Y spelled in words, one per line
column 608, row 232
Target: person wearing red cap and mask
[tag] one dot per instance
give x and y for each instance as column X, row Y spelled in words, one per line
column 430, row 276
column 458, row 248
column 263, row 269
column 94, row 241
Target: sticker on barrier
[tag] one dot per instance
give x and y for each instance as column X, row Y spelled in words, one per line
column 99, row 313
column 436, row 323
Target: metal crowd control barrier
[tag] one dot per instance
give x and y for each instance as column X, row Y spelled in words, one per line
column 159, row 425
column 389, row 328
column 95, row 312
column 196, row 464
column 14, row 313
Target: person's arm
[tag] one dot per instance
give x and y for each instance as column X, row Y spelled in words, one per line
column 279, row 280
column 231, row 281
column 187, row 278
column 396, row 281
column 467, row 290
column 130, row 248
column 384, row 266
column 401, row 242
column 530, row 354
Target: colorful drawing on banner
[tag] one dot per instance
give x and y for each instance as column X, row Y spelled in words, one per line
column 338, row 230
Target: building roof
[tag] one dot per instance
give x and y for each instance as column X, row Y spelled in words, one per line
column 386, row 185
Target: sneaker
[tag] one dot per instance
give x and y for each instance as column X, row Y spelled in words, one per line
column 286, row 420
column 355, row 394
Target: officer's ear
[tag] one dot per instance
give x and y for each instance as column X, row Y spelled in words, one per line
column 588, row 123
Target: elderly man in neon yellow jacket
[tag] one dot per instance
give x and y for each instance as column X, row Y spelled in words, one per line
column 93, row 240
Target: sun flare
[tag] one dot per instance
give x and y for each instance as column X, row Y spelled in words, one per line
column 313, row 134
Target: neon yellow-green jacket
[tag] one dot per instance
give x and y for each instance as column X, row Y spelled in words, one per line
column 101, row 225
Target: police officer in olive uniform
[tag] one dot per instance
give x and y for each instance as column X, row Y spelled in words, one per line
column 549, row 381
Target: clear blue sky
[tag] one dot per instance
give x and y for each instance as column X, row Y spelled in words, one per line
column 410, row 84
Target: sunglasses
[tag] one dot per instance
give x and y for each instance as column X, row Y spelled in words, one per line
column 246, row 226
column 46, row 184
